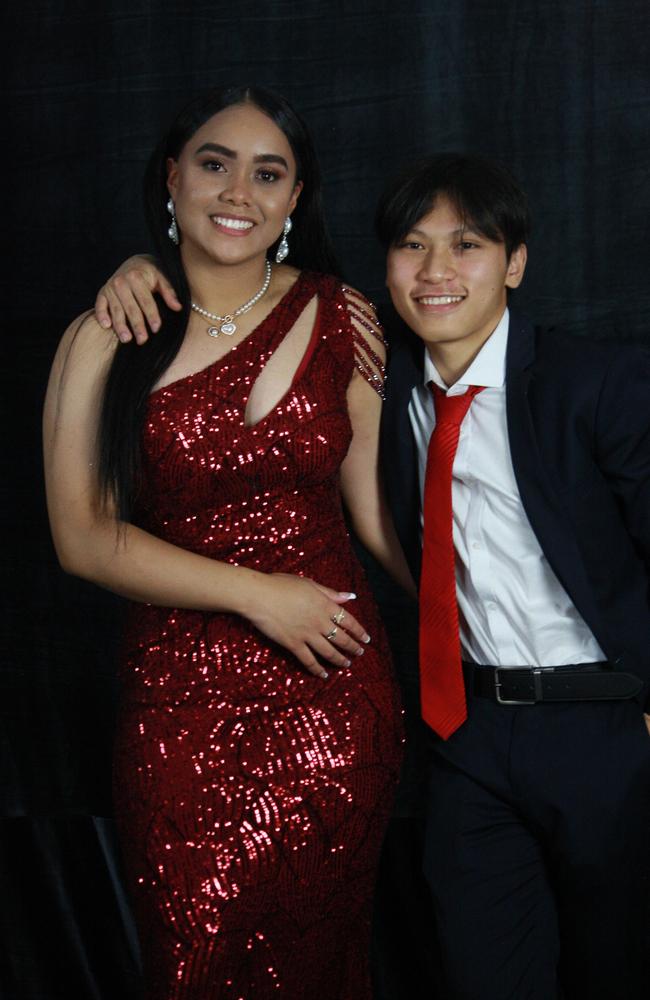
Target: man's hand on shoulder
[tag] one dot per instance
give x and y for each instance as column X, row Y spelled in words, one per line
column 127, row 304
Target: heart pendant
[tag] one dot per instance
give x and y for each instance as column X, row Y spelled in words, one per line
column 228, row 328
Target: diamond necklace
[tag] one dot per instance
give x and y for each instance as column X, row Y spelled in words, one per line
column 227, row 323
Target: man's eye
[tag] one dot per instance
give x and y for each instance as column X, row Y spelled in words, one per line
column 467, row 245
column 409, row 245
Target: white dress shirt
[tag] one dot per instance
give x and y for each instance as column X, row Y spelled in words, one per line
column 513, row 609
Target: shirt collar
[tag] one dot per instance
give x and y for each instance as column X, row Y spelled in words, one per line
column 487, row 369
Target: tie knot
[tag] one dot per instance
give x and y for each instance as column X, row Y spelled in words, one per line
column 452, row 409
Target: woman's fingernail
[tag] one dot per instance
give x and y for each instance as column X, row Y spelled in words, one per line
column 360, row 651
column 348, row 663
column 347, row 597
column 324, row 675
column 365, row 637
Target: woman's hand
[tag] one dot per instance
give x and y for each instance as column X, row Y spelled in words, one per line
column 126, row 302
column 307, row 619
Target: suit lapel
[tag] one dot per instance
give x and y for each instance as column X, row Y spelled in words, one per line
column 544, row 508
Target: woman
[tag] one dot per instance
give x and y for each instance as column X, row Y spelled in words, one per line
column 201, row 477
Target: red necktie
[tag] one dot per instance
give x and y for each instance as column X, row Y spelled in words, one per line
column 442, row 689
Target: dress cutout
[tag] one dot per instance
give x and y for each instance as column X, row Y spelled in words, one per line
column 251, row 796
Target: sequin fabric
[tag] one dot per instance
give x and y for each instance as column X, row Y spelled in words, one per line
column 251, row 796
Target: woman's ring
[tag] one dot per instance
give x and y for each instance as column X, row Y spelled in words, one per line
column 332, row 632
column 338, row 617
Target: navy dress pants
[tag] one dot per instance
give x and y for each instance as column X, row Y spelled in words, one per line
column 537, row 852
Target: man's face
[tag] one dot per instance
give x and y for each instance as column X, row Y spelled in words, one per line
column 448, row 282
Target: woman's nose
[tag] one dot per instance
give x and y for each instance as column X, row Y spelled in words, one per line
column 237, row 190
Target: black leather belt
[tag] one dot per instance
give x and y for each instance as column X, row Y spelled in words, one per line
column 530, row 685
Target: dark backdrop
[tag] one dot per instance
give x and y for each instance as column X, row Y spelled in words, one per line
column 558, row 89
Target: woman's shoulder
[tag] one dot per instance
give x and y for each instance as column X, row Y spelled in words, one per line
column 363, row 336
column 85, row 346
column 85, row 330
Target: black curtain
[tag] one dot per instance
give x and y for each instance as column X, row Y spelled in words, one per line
column 557, row 90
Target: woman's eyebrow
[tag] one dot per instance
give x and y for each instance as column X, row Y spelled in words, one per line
column 214, row 147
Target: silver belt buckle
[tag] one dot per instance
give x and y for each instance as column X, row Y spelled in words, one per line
column 537, row 686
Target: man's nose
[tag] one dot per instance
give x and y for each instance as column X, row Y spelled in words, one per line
column 437, row 266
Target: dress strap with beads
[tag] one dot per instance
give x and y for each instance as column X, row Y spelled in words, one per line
column 366, row 334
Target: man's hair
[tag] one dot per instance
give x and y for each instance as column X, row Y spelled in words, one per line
column 486, row 196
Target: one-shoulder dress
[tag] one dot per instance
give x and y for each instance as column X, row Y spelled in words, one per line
column 251, row 796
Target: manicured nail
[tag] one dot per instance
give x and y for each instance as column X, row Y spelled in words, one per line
column 324, row 675
column 365, row 637
column 348, row 663
column 347, row 597
column 360, row 651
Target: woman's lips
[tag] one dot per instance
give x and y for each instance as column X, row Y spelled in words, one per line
column 232, row 226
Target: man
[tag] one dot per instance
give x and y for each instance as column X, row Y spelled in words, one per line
column 538, row 812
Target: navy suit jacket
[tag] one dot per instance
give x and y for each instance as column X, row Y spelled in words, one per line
column 578, row 417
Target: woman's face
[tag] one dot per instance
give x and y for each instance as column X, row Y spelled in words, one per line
column 233, row 185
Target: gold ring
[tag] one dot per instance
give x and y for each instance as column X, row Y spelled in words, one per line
column 338, row 617
column 332, row 632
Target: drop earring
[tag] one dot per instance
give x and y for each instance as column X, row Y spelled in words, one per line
column 172, row 232
column 283, row 245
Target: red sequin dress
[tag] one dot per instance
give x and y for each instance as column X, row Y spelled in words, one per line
column 251, row 796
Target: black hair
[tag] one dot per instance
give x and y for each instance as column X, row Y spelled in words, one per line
column 485, row 195
column 136, row 369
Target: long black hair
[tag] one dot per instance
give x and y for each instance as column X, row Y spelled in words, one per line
column 136, row 369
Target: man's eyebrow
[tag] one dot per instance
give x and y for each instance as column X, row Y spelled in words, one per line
column 455, row 233
column 214, row 147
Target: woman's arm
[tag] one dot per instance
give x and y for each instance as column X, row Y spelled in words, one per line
column 92, row 543
column 361, row 479
column 126, row 302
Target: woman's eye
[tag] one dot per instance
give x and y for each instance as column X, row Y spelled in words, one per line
column 216, row 165
column 268, row 176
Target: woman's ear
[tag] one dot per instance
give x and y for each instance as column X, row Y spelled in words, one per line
column 293, row 201
column 172, row 176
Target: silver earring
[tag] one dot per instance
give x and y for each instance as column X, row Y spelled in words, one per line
column 172, row 232
column 283, row 245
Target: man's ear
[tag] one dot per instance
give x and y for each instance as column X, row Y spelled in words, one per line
column 172, row 176
column 516, row 266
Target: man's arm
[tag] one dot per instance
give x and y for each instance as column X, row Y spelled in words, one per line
column 623, row 443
